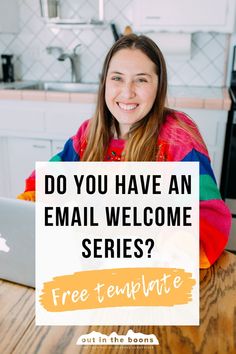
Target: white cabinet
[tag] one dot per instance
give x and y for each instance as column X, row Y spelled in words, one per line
column 57, row 146
column 9, row 16
column 22, row 155
column 65, row 120
column 34, row 131
column 4, row 183
column 212, row 126
column 184, row 15
column 20, row 118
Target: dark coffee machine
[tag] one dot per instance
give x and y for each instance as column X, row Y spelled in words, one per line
column 7, row 68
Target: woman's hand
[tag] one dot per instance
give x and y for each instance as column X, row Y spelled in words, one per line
column 29, row 196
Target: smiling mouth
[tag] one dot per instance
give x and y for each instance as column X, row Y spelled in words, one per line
column 127, row 107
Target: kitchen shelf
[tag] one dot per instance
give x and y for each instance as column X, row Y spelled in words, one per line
column 74, row 24
column 50, row 12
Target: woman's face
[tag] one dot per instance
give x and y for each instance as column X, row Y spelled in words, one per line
column 131, row 87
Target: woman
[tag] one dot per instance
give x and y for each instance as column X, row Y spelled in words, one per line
column 131, row 123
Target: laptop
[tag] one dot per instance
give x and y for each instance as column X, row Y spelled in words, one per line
column 17, row 241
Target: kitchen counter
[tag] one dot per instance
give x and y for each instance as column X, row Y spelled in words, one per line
column 178, row 96
column 199, row 97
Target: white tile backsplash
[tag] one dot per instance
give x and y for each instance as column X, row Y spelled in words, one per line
column 206, row 67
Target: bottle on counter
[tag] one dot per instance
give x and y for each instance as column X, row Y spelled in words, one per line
column 7, row 68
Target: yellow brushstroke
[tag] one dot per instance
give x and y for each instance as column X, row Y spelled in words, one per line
column 117, row 288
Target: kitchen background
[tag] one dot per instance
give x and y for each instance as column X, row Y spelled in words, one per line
column 207, row 65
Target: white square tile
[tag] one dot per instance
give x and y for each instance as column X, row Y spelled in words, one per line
column 45, row 36
column 211, row 74
column 201, row 39
column 98, row 49
column 27, row 38
column 212, row 49
column 35, row 25
column 198, row 81
column 186, row 73
column 222, row 39
column 66, row 38
column 48, row 76
column 2, row 46
column 219, row 63
column 220, row 82
column 38, row 69
column 199, row 61
column 32, row 4
column 88, row 10
column 59, row 69
column 88, row 59
column 16, row 46
column 107, row 37
column 86, row 37
column 93, row 75
column 110, row 11
column 25, row 14
column 7, row 38
column 65, row 76
column 67, row 9
column 27, row 58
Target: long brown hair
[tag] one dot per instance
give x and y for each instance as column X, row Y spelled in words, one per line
column 141, row 144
